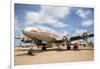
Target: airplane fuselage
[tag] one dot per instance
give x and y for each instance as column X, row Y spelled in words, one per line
column 40, row 34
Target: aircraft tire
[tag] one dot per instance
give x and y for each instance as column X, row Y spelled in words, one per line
column 68, row 48
column 44, row 48
column 75, row 47
column 30, row 52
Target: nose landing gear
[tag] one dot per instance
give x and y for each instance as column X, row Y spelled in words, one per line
column 30, row 52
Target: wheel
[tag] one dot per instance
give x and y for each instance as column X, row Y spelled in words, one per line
column 44, row 48
column 75, row 47
column 68, row 48
column 84, row 45
column 30, row 52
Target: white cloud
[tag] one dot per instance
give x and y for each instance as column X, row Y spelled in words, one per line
column 84, row 14
column 47, row 15
column 17, row 27
column 38, row 18
column 87, row 23
column 65, row 33
column 32, row 17
column 16, row 24
column 80, row 31
column 55, row 11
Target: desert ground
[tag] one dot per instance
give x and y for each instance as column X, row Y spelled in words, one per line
column 52, row 55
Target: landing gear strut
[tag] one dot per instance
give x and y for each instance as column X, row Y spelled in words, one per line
column 75, row 47
column 44, row 48
column 30, row 52
column 68, row 47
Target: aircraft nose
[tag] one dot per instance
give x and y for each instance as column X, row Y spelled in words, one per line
column 29, row 29
column 24, row 30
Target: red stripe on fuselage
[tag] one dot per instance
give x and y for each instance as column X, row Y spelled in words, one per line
column 34, row 30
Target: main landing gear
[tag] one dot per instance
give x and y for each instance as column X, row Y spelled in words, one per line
column 68, row 47
column 44, row 48
column 75, row 47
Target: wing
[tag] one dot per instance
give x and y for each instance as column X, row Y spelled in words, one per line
column 80, row 37
column 75, row 38
column 17, row 38
column 24, row 40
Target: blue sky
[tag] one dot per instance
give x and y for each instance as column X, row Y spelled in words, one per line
column 63, row 19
